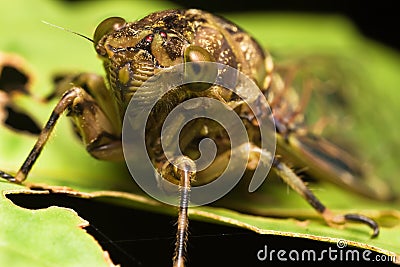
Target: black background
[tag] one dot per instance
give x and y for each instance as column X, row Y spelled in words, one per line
column 378, row 20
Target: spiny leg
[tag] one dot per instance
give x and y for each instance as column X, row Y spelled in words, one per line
column 182, row 171
column 183, row 222
column 257, row 154
column 187, row 175
column 295, row 182
column 96, row 123
column 7, row 176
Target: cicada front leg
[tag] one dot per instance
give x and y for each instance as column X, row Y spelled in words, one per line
column 92, row 120
column 180, row 171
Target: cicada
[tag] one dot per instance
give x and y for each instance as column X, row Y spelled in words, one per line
column 134, row 52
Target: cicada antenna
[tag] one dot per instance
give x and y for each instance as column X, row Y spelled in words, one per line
column 68, row 30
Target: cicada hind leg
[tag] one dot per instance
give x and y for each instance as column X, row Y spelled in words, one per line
column 297, row 184
column 288, row 108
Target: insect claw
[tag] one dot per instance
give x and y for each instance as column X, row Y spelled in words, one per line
column 8, row 177
column 363, row 219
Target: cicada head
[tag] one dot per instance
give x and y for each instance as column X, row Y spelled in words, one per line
column 133, row 52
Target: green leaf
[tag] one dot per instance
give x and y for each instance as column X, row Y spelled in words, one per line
column 45, row 237
column 64, row 164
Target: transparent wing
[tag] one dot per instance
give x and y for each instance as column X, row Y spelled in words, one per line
column 318, row 115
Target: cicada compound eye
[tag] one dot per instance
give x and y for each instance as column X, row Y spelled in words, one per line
column 106, row 26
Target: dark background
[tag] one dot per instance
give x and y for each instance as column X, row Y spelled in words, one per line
column 378, row 20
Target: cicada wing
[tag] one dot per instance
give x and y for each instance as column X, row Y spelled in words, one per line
column 334, row 84
column 323, row 88
column 324, row 160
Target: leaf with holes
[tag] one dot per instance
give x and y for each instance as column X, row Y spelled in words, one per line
column 45, row 237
